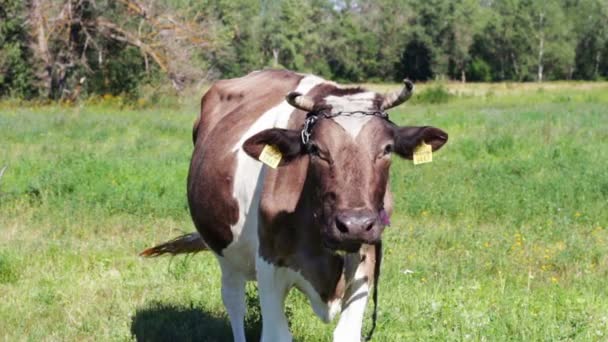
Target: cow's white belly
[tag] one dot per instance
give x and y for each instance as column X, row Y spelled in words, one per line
column 248, row 181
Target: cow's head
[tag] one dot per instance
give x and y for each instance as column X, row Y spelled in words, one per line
column 349, row 141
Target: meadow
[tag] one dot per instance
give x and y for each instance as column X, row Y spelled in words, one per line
column 504, row 236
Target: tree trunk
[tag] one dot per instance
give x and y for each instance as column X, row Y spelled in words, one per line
column 541, row 47
column 596, row 69
column 515, row 67
column 541, row 52
column 275, row 56
column 40, row 46
column 463, row 76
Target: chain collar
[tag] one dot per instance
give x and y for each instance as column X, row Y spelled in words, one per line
column 313, row 117
column 307, row 130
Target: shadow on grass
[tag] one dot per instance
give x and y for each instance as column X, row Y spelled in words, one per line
column 168, row 322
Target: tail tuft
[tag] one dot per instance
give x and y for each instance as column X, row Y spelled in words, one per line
column 187, row 243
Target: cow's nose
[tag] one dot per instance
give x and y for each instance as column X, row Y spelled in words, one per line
column 355, row 222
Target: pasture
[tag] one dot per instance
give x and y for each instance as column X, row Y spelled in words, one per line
column 503, row 237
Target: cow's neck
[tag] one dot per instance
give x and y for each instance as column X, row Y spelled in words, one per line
column 309, row 221
column 290, row 236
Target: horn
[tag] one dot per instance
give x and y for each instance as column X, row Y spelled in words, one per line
column 300, row 101
column 398, row 97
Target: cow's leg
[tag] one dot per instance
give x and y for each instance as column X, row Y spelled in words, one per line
column 233, row 296
column 273, row 284
column 353, row 305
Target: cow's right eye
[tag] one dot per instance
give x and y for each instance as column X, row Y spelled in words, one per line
column 313, row 150
column 388, row 149
column 316, row 152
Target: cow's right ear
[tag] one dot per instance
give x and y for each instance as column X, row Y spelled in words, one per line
column 288, row 142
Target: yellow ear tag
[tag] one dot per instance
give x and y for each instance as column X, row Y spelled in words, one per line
column 270, row 156
column 423, row 153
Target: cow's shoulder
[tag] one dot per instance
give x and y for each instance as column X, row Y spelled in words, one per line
column 229, row 109
column 242, row 100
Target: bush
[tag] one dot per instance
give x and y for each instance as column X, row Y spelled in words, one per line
column 480, row 71
column 435, row 94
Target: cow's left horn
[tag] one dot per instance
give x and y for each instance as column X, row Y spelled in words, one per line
column 398, row 97
column 300, row 101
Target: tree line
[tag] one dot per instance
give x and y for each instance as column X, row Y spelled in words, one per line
column 72, row 48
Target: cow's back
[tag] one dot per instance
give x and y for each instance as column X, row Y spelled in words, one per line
column 223, row 181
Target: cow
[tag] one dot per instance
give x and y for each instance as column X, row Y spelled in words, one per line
column 315, row 221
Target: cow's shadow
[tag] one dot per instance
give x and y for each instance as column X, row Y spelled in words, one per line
column 168, row 322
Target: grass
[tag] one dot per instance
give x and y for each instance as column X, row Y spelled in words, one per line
column 503, row 237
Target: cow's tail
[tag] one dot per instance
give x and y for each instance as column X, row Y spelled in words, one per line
column 187, row 243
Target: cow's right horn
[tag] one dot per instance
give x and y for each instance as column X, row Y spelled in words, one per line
column 398, row 97
column 300, row 101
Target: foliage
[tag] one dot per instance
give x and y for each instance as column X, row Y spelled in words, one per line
column 67, row 49
column 480, row 71
column 16, row 78
column 591, row 31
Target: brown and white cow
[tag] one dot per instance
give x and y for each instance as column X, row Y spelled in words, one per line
column 313, row 223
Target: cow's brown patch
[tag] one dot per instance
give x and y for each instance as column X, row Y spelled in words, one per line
column 228, row 106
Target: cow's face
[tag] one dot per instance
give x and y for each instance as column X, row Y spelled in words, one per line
column 350, row 157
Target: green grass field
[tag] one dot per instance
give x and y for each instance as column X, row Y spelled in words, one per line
column 503, row 237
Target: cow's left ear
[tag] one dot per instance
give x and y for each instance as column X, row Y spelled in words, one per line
column 407, row 138
column 288, row 142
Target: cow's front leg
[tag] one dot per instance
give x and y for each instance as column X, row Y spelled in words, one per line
column 355, row 301
column 233, row 296
column 351, row 318
column 273, row 284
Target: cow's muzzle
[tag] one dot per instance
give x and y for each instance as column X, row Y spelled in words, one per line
column 351, row 228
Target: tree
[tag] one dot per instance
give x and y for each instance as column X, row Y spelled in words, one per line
column 461, row 32
column 589, row 19
column 432, row 30
column 343, row 55
column 56, row 49
column 504, row 43
column 16, row 77
column 384, row 27
column 73, row 39
column 238, row 44
column 553, row 35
